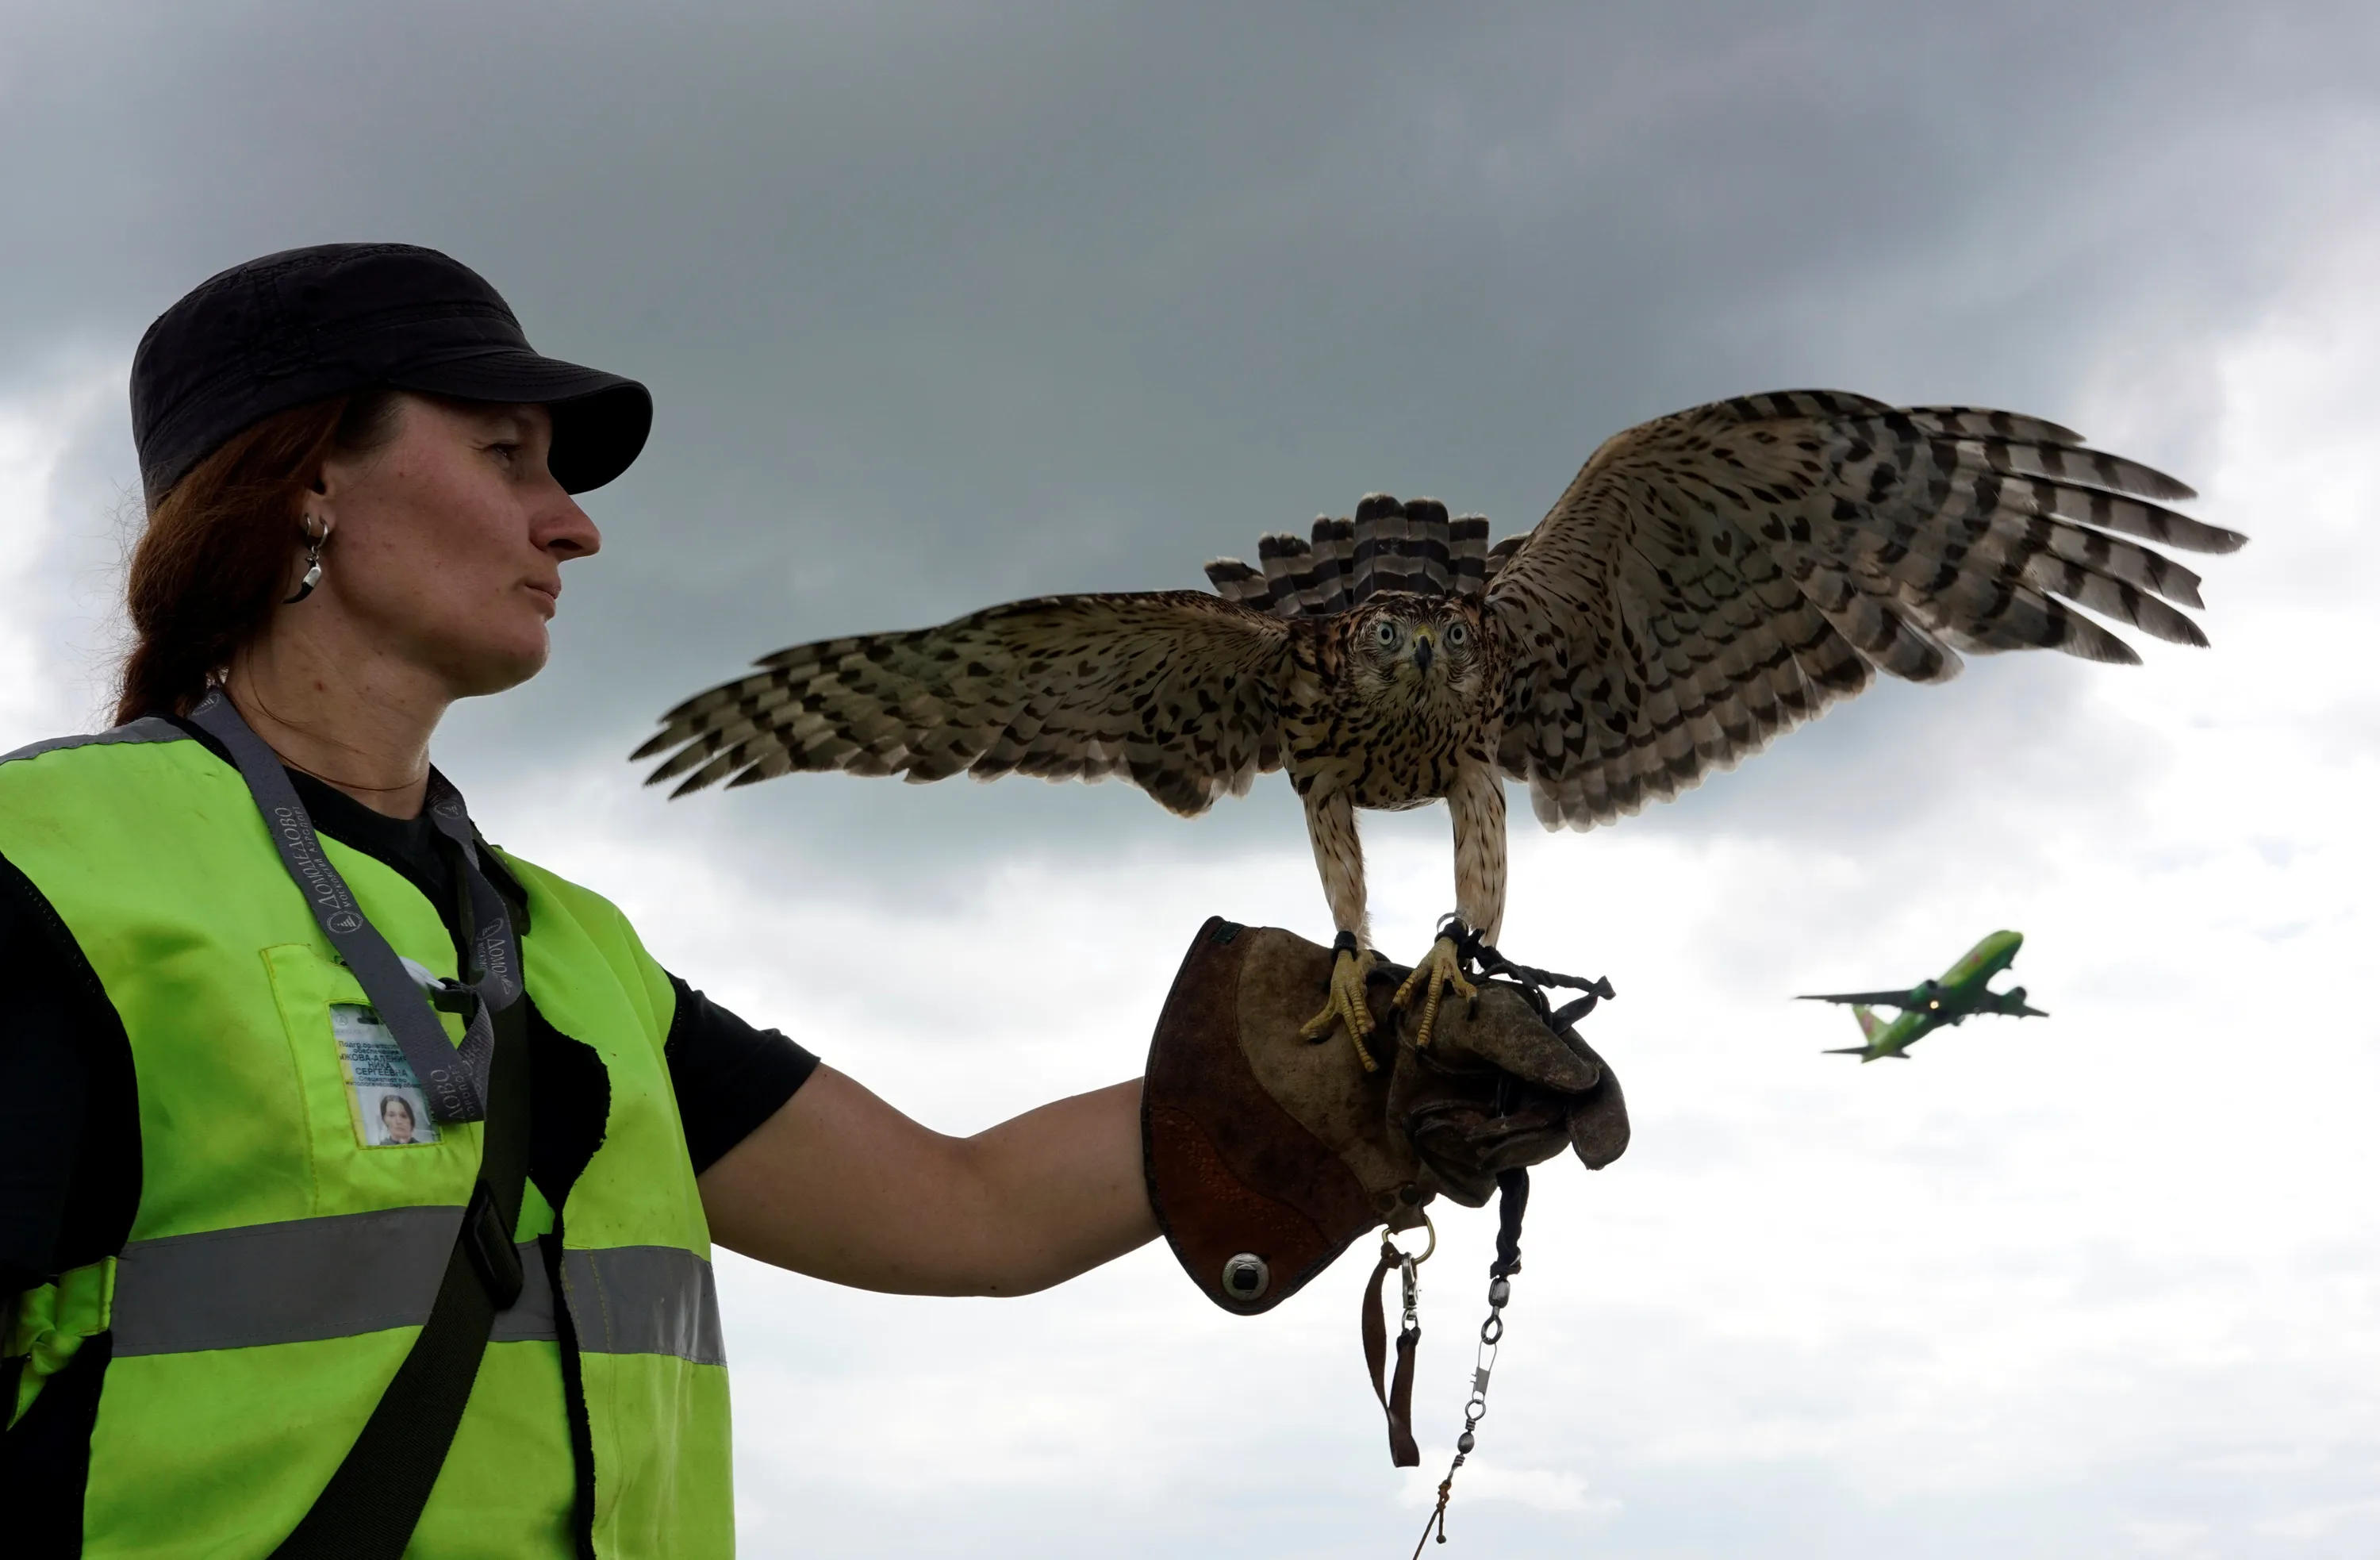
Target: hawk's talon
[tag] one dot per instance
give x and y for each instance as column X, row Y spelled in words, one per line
column 1346, row 1004
column 1441, row 968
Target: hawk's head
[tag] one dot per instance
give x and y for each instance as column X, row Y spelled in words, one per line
column 1403, row 647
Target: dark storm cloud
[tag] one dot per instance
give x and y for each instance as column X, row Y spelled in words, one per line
column 945, row 305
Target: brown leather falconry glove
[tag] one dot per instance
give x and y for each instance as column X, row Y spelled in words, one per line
column 1268, row 1153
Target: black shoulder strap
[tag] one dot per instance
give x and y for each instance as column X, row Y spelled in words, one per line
column 373, row 1501
column 369, row 1509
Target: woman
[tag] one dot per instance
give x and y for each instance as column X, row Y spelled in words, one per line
column 397, row 1124
column 360, row 484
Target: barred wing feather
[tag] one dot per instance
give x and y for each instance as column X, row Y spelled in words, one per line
column 1174, row 691
column 1718, row 575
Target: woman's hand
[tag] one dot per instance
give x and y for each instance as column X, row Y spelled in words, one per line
column 841, row 1186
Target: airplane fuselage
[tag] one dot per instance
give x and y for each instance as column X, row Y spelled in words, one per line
column 1963, row 991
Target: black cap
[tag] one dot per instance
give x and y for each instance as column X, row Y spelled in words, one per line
column 296, row 326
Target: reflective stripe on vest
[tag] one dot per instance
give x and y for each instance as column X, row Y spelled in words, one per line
column 148, row 729
column 336, row 1277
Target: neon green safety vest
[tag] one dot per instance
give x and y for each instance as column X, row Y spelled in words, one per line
column 279, row 1269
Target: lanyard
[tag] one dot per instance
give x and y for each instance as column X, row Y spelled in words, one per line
column 455, row 1080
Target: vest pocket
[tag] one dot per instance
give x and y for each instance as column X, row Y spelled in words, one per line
column 360, row 1098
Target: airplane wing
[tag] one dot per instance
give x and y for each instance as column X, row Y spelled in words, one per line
column 1872, row 999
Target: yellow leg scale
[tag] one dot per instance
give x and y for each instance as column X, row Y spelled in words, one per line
column 1346, row 1004
column 1441, row 969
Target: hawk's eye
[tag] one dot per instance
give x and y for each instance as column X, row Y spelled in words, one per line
column 1457, row 634
column 1387, row 633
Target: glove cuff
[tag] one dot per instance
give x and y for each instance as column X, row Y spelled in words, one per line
column 1253, row 1203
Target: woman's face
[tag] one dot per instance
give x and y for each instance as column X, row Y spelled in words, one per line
column 396, row 1119
column 448, row 541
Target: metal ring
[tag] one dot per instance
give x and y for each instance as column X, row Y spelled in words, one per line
column 1246, row 1277
column 1388, row 1240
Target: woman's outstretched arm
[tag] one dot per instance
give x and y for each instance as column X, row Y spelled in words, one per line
column 841, row 1186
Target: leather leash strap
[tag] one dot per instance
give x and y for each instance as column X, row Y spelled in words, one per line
column 1396, row 1395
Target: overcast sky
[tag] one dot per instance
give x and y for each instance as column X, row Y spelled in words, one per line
column 948, row 304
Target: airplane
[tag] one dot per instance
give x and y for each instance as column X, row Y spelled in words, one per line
column 1956, row 996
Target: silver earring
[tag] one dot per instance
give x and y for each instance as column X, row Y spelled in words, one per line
column 314, row 541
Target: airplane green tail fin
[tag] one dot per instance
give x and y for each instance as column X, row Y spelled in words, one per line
column 1869, row 1023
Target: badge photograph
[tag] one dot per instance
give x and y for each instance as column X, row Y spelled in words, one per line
column 384, row 1098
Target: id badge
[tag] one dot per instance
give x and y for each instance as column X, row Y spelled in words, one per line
column 384, row 1098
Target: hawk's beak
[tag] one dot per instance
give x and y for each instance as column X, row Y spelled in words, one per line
column 1423, row 650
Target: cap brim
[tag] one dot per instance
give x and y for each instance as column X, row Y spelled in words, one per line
column 601, row 420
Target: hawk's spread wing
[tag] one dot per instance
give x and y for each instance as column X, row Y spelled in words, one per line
column 1717, row 576
column 1176, row 690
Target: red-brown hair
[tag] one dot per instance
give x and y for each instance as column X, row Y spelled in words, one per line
column 214, row 559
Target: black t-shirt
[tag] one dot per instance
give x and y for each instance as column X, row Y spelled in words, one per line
column 69, row 1123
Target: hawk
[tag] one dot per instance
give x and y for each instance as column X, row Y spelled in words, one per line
column 1710, row 580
